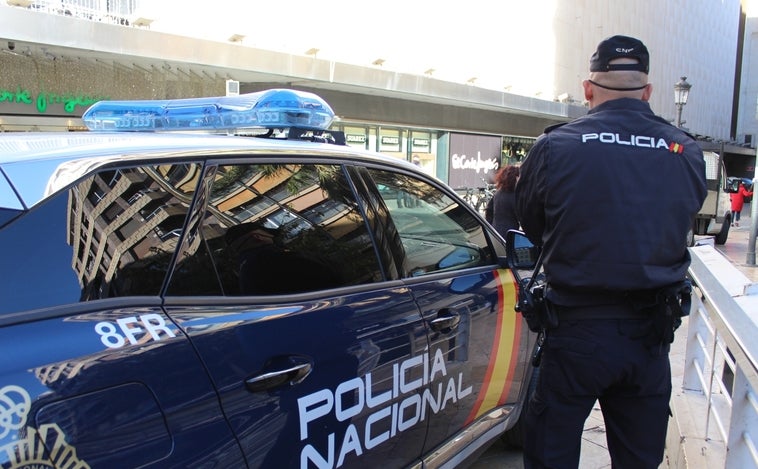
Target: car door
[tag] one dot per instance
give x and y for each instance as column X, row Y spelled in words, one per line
column 93, row 373
column 281, row 290
column 478, row 343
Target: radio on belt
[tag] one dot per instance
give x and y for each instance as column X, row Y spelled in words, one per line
column 270, row 109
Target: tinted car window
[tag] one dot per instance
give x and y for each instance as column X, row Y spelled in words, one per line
column 436, row 232
column 8, row 198
column 112, row 234
column 277, row 229
column 125, row 225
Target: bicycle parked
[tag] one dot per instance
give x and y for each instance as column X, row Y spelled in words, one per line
column 478, row 197
column 469, row 195
column 485, row 194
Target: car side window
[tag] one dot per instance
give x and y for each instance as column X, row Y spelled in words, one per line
column 112, row 234
column 437, row 232
column 277, row 229
column 124, row 225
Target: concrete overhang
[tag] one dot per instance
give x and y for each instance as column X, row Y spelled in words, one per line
column 44, row 34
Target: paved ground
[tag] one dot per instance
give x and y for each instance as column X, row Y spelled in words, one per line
column 594, row 449
column 737, row 246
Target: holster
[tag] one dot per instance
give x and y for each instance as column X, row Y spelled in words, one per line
column 538, row 312
column 665, row 307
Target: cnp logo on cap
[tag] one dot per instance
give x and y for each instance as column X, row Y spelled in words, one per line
column 620, row 47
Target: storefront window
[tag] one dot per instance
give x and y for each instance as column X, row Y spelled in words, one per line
column 421, row 142
column 390, row 141
column 515, row 149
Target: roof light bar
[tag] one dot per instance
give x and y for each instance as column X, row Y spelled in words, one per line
column 272, row 109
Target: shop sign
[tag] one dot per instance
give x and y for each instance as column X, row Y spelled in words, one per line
column 387, row 140
column 42, row 101
column 420, row 142
column 355, row 138
column 474, row 160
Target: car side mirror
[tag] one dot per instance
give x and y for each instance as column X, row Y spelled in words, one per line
column 521, row 254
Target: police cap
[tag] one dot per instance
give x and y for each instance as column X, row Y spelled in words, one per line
column 617, row 47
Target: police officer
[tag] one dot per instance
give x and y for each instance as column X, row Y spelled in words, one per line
column 610, row 197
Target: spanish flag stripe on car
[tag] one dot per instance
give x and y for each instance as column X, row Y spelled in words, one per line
column 504, row 351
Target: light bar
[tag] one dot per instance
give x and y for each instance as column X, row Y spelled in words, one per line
column 271, row 109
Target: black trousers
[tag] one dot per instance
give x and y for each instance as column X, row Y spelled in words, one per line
column 605, row 360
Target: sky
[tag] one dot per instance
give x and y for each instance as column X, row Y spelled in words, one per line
column 480, row 39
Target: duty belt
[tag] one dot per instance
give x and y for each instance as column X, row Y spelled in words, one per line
column 634, row 304
column 663, row 307
column 605, row 311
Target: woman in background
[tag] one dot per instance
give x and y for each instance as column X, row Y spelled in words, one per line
column 738, row 200
column 501, row 209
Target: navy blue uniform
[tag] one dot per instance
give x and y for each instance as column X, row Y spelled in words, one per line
column 610, row 197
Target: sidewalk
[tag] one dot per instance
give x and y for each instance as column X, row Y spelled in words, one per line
column 736, row 246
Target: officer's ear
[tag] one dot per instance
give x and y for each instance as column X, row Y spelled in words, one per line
column 587, row 90
column 647, row 92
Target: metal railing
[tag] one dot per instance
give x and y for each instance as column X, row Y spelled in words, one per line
column 721, row 353
column 110, row 11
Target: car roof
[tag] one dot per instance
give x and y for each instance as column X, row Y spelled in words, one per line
column 39, row 164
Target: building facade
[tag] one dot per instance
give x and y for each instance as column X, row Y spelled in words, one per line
column 59, row 57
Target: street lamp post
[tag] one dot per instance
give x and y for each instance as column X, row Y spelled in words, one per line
column 681, row 93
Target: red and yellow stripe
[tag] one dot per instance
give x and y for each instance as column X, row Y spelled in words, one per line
column 504, row 350
column 676, row 147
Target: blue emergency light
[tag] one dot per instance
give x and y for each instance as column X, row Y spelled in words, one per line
column 270, row 109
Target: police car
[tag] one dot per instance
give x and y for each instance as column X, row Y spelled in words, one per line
column 179, row 294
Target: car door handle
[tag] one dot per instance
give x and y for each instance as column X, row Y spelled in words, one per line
column 280, row 372
column 445, row 321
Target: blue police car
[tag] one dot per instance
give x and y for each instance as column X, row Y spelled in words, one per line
column 176, row 293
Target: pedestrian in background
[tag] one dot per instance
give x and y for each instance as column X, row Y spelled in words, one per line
column 501, row 208
column 738, row 201
column 615, row 260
